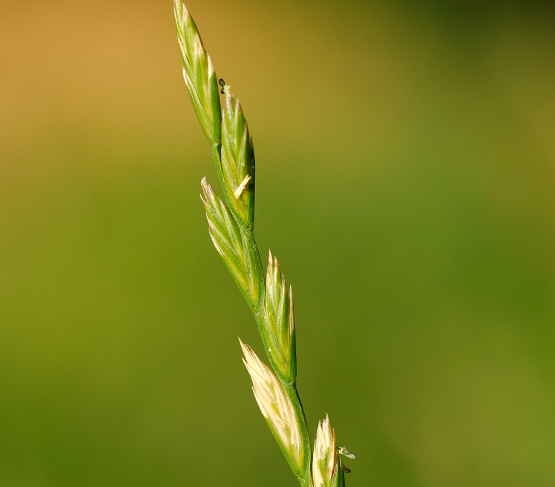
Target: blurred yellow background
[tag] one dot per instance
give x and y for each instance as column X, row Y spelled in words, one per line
column 405, row 180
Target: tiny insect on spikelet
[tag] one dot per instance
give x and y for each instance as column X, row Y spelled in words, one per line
column 230, row 225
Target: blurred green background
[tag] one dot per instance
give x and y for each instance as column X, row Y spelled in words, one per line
column 405, row 180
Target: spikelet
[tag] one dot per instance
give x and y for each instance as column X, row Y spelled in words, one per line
column 279, row 320
column 199, row 74
column 276, row 407
column 237, row 159
column 327, row 468
column 231, row 243
column 325, row 463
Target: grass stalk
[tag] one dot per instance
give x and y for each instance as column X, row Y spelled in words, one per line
column 230, row 225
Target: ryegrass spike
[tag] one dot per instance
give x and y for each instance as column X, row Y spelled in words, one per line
column 230, row 226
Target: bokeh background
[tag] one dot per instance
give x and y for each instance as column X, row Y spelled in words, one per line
column 405, row 180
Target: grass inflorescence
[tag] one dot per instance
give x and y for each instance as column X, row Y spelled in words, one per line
column 231, row 224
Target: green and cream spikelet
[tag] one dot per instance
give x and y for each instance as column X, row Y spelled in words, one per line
column 279, row 320
column 230, row 224
column 238, row 159
column 231, row 241
column 199, row 74
column 325, row 467
column 276, row 408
